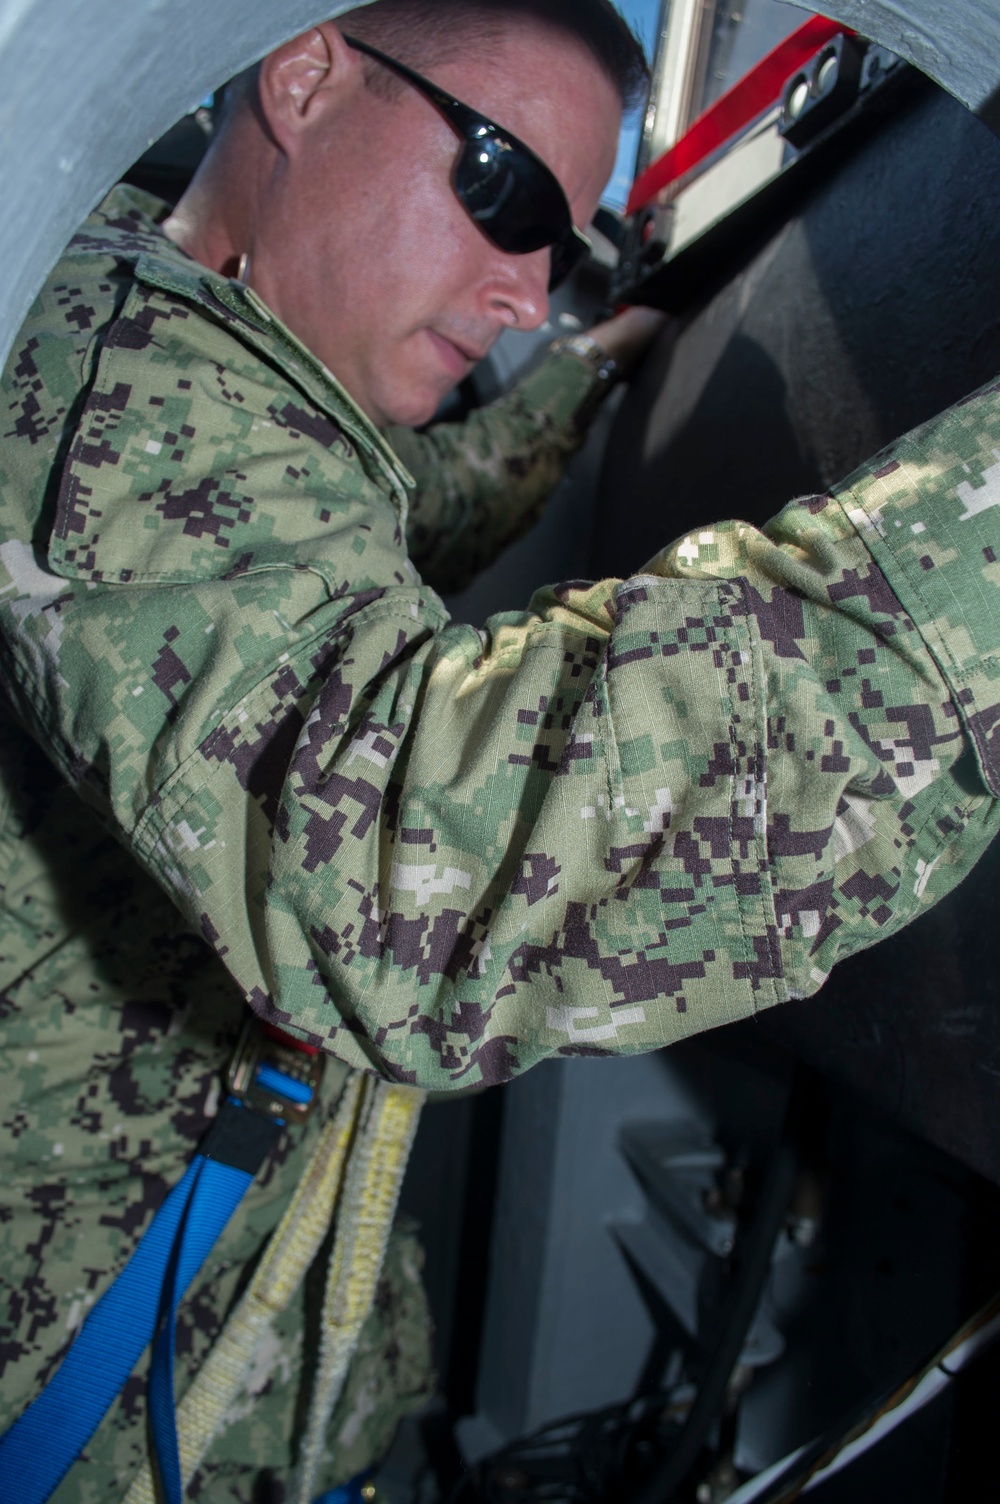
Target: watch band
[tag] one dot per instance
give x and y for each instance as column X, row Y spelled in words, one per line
column 586, row 347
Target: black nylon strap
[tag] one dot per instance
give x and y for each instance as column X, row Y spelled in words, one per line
column 240, row 1137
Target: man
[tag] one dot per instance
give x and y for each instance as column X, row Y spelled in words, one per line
column 635, row 810
column 117, row 1020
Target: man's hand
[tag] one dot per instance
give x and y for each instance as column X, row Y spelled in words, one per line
column 627, row 336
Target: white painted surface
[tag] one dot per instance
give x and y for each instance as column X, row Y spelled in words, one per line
column 87, row 85
column 956, row 42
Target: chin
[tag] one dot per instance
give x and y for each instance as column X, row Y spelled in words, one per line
column 416, row 409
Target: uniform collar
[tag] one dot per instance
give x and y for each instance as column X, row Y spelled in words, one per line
column 134, row 218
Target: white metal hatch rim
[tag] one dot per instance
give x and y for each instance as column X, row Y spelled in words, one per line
column 87, row 85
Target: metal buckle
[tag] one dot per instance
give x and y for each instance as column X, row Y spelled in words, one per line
column 274, row 1074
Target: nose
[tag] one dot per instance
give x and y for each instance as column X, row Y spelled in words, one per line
column 518, row 293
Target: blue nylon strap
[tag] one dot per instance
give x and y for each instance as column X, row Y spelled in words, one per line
column 216, row 1194
column 283, row 1085
column 39, row 1448
column 348, row 1493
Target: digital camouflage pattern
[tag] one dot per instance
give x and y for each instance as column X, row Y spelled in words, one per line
column 482, row 483
column 636, row 810
column 113, row 1042
column 116, row 1019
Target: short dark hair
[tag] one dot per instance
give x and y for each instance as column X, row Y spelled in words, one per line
column 425, row 32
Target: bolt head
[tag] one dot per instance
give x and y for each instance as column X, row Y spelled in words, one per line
column 798, row 99
column 827, row 75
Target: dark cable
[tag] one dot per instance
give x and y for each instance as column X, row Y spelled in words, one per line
column 590, row 1458
column 756, row 1264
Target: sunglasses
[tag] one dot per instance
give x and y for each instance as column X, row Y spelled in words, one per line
column 504, row 188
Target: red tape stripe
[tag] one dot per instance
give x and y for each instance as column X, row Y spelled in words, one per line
column 754, row 93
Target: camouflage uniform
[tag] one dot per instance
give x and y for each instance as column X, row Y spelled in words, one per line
column 632, row 811
column 115, row 1017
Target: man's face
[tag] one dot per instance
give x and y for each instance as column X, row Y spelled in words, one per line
column 363, row 249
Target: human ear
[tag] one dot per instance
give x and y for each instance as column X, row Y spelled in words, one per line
column 306, row 79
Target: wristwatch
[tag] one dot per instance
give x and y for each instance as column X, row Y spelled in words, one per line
column 587, row 348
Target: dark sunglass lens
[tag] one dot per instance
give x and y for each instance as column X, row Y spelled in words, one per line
column 510, row 200
column 566, row 254
column 485, row 185
column 562, row 265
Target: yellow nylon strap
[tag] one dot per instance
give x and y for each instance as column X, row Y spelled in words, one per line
column 294, row 1244
column 389, row 1118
